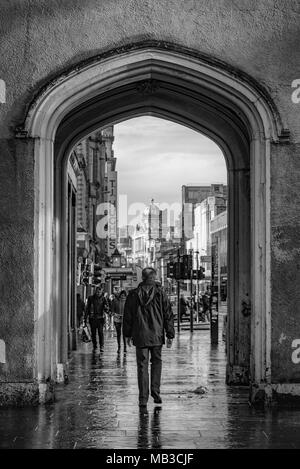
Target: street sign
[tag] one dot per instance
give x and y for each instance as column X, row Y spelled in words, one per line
column 205, row 258
column 119, row 271
column 116, row 277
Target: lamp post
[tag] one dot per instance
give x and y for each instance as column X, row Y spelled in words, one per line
column 214, row 318
column 116, row 258
column 197, row 284
column 178, row 293
column 116, row 262
column 191, row 251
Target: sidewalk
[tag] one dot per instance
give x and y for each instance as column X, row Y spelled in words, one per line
column 99, row 406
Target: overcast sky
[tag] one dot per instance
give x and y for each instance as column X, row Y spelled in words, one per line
column 156, row 157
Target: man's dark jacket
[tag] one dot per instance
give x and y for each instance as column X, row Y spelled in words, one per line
column 148, row 316
column 96, row 307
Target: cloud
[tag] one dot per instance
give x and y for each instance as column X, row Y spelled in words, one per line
column 156, row 157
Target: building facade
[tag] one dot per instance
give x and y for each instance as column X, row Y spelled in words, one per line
column 106, row 216
column 96, row 203
column 245, row 98
column 219, row 255
column 192, row 196
column 200, row 244
column 148, row 235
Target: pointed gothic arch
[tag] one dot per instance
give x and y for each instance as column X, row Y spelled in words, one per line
column 192, row 90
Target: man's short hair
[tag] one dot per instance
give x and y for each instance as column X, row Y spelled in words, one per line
column 148, row 273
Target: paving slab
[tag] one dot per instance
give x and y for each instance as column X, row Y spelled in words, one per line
column 98, row 408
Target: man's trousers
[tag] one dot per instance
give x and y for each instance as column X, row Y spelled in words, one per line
column 97, row 325
column 119, row 329
column 142, row 359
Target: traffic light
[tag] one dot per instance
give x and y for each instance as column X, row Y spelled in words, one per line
column 85, row 277
column 98, row 274
column 170, row 270
column 177, row 269
column 187, row 265
column 181, row 270
column 199, row 274
column 87, row 273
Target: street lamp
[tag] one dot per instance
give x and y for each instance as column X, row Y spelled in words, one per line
column 197, row 283
column 191, row 252
column 116, row 258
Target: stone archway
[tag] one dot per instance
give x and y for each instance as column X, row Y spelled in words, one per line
column 191, row 90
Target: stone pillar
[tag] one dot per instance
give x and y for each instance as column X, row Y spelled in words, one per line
column 60, row 281
column 18, row 379
column 238, row 337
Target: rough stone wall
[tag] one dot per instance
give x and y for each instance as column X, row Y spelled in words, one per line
column 16, row 260
column 42, row 38
column 285, row 217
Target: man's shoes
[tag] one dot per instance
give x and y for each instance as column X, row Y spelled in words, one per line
column 143, row 408
column 118, row 351
column 157, row 398
column 101, row 349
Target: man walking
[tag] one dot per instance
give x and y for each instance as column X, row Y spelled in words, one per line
column 117, row 308
column 205, row 302
column 148, row 317
column 95, row 313
column 80, row 309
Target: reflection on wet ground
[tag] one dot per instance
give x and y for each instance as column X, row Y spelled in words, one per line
column 98, row 408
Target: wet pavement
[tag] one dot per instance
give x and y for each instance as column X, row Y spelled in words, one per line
column 99, row 406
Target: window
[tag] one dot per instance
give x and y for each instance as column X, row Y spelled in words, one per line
column 194, row 195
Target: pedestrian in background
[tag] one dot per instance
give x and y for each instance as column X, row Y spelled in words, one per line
column 110, row 313
column 107, row 310
column 206, row 304
column 95, row 314
column 148, row 317
column 80, row 307
column 117, row 308
column 183, row 306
